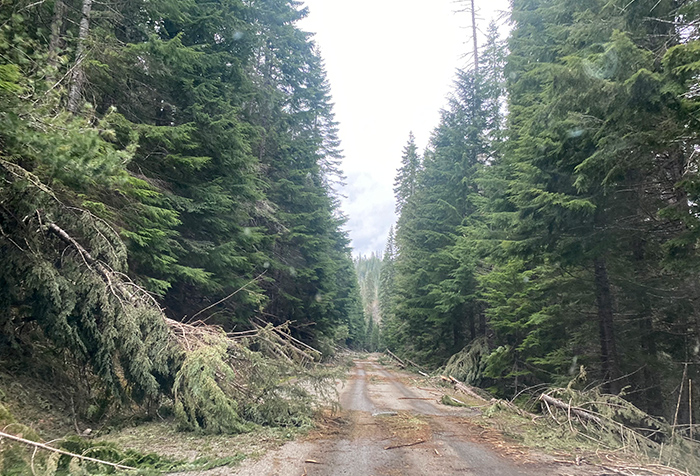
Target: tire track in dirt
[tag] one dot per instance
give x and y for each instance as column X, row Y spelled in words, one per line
column 381, row 417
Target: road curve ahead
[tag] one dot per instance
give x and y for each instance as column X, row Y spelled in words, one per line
column 390, row 428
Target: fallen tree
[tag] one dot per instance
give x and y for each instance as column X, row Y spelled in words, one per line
column 72, row 269
column 614, row 424
column 401, row 363
column 570, row 410
column 463, row 388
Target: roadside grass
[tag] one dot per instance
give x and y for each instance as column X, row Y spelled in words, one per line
column 34, row 410
column 165, row 439
column 151, row 448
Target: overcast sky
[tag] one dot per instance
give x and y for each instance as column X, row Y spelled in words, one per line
column 390, row 64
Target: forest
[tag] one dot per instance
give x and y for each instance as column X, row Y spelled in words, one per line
column 171, row 231
column 548, row 235
column 169, row 216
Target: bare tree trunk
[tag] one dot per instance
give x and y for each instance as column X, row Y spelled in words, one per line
column 59, row 10
column 78, row 77
column 608, row 347
column 476, row 42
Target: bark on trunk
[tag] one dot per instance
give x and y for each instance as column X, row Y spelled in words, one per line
column 78, row 77
column 476, row 41
column 472, row 326
column 608, row 348
column 59, row 11
column 482, row 320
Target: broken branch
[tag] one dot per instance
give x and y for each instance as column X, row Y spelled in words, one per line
column 63, row 452
column 462, row 387
column 401, row 362
column 579, row 412
column 404, row 445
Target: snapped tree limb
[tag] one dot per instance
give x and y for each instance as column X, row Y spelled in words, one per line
column 462, row 387
column 401, row 363
column 63, row 452
column 579, row 412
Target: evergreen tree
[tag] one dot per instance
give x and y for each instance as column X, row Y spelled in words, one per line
column 391, row 330
column 368, row 273
column 190, row 145
column 407, row 175
column 582, row 178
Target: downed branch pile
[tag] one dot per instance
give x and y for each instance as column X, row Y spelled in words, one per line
column 476, row 394
column 613, row 423
column 228, row 381
column 609, row 422
column 72, row 266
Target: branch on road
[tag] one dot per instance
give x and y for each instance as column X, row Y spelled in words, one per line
column 462, row 387
column 579, row 412
column 404, row 445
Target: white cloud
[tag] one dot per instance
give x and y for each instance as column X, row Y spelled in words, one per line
column 391, row 64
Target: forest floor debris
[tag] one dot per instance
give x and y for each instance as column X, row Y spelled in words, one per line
column 398, row 412
column 577, row 429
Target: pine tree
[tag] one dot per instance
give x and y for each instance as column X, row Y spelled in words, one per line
column 369, row 270
column 581, row 179
column 407, row 176
column 190, row 146
column 391, row 333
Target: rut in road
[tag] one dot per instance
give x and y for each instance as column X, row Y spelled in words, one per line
column 391, row 429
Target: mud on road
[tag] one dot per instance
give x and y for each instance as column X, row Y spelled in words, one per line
column 388, row 427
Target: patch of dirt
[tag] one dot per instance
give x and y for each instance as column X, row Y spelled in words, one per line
column 406, row 428
column 389, row 428
column 164, row 439
column 37, row 404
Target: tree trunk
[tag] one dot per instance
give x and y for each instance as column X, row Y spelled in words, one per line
column 59, row 11
column 608, row 348
column 482, row 319
column 78, row 77
column 472, row 326
column 476, row 41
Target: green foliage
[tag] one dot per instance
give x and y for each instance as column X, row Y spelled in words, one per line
column 368, row 274
column 225, row 387
column 435, row 293
column 201, row 404
column 81, row 313
column 565, row 234
column 451, row 402
column 198, row 164
column 9, row 78
column 406, row 181
column 468, row 364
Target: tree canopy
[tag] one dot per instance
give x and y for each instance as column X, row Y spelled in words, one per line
column 187, row 149
column 558, row 240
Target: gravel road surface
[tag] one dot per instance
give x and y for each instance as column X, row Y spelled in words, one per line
column 388, row 427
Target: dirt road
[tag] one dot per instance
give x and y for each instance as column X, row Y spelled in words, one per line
column 389, row 428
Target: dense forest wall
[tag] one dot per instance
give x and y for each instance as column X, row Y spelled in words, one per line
column 550, row 233
column 183, row 148
column 368, row 270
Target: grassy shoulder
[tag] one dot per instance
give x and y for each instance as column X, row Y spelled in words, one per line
column 36, row 411
column 150, row 448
